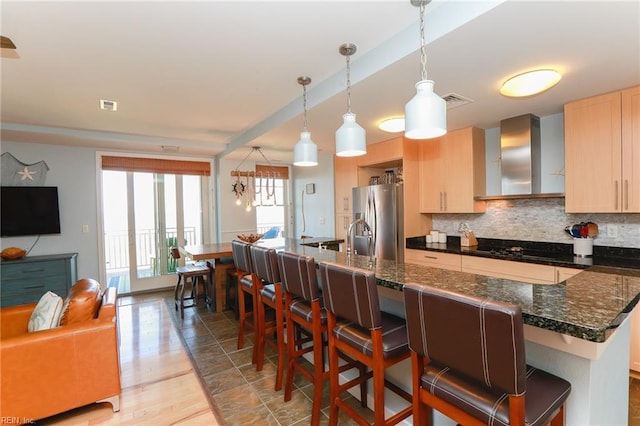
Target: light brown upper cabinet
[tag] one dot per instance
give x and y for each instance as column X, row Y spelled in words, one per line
column 345, row 178
column 452, row 172
column 602, row 153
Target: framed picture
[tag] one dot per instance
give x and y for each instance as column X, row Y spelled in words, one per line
column 311, row 188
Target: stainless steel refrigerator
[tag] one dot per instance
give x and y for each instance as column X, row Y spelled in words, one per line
column 381, row 206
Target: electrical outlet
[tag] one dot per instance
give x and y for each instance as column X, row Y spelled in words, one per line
column 322, row 221
column 612, row 231
column 85, row 229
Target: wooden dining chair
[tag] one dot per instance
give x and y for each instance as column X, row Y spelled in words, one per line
column 195, row 273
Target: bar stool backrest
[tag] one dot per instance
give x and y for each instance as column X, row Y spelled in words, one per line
column 265, row 264
column 476, row 337
column 299, row 275
column 241, row 256
column 351, row 293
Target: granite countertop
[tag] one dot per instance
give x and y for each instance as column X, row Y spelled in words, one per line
column 554, row 254
column 588, row 306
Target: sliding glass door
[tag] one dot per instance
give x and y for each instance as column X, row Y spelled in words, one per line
column 144, row 215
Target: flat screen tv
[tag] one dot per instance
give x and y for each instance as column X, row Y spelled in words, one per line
column 29, row 210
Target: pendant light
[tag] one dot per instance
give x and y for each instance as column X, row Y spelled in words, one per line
column 350, row 137
column 426, row 113
column 305, row 152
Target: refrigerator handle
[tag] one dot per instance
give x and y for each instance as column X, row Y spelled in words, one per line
column 374, row 226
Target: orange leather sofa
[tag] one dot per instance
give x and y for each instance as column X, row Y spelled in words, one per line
column 51, row 371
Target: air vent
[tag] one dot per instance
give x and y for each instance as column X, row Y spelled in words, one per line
column 108, row 105
column 454, row 100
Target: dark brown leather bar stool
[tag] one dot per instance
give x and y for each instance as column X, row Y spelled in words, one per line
column 358, row 328
column 192, row 272
column 468, row 362
column 242, row 260
column 304, row 308
column 269, row 309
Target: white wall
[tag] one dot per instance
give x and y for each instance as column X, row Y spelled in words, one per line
column 234, row 219
column 73, row 171
column 319, row 209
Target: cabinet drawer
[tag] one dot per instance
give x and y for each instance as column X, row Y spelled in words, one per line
column 39, row 285
column 433, row 258
column 32, row 294
column 50, row 268
column 517, row 271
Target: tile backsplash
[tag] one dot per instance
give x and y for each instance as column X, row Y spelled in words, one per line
column 541, row 220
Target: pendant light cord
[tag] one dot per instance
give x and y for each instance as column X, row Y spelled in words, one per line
column 348, row 84
column 423, row 49
column 304, row 105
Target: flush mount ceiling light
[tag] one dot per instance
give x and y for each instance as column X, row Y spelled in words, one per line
column 305, row 152
column 530, row 83
column 392, row 125
column 350, row 137
column 426, row 113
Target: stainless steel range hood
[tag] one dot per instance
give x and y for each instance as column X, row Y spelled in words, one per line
column 520, row 159
column 520, row 154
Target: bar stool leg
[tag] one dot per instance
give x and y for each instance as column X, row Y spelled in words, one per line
column 176, row 292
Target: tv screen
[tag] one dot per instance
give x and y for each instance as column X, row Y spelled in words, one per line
column 29, row 210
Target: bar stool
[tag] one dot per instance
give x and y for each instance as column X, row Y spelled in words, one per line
column 270, row 307
column 468, row 362
column 358, row 328
column 242, row 261
column 196, row 272
column 304, row 308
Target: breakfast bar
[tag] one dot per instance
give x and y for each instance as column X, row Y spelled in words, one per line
column 577, row 329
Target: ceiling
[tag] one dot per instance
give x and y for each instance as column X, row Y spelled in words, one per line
column 216, row 78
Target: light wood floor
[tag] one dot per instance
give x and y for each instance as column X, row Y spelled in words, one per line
column 159, row 386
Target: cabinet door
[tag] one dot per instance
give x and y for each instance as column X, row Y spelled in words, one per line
column 346, row 177
column 342, row 224
column 517, row 271
column 563, row 274
column 630, row 185
column 634, row 363
column 434, row 259
column 464, row 170
column 593, row 154
column 430, row 176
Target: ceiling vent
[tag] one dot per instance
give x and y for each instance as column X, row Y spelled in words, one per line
column 108, row 105
column 454, row 100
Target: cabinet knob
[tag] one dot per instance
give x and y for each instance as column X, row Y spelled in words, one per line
column 616, row 199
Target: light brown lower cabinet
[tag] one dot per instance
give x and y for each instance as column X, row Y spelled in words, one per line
column 517, row 271
column 434, row 259
column 634, row 361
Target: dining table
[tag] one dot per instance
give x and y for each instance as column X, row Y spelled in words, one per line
column 217, row 256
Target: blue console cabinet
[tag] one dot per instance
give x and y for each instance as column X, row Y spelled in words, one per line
column 26, row 280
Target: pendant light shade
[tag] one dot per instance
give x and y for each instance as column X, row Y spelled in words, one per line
column 425, row 114
column 350, row 138
column 305, row 152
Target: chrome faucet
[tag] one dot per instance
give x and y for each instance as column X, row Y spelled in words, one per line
column 349, row 239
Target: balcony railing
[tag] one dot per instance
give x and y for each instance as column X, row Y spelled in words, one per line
column 116, row 246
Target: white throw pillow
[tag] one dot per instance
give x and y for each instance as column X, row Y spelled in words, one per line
column 47, row 313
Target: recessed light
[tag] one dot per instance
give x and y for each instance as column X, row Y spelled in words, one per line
column 530, row 83
column 392, row 125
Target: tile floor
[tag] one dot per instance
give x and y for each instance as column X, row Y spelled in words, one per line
column 244, row 396
column 241, row 394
